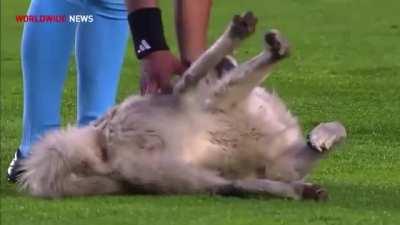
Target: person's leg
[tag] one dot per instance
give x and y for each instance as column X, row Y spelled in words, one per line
column 100, row 50
column 45, row 51
column 191, row 24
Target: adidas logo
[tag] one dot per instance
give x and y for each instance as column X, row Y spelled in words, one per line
column 143, row 46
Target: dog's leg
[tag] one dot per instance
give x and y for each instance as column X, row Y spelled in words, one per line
column 298, row 160
column 169, row 176
column 240, row 28
column 326, row 135
column 321, row 140
column 293, row 190
column 239, row 82
column 163, row 174
column 92, row 185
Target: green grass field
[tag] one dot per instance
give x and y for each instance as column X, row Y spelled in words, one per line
column 345, row 65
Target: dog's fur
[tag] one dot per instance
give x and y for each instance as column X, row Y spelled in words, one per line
column 217, row 133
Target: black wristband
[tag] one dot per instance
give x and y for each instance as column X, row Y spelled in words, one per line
column 147, row 31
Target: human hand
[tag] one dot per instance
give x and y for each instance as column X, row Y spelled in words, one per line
column 157, row 70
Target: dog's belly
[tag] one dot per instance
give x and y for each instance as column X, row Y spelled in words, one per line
column 227, row 157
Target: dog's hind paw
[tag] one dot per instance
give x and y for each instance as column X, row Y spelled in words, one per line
column 324, row 136
column 278, row 45
column 243, row 26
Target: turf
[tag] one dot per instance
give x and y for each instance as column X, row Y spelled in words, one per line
column 345, row 65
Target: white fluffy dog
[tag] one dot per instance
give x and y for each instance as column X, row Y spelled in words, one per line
column 217, row 133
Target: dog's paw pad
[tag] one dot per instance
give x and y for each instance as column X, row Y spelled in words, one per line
column 278, row 45
column 314, row 192
column 243, row 26
column 321, row 143
column 324, row 136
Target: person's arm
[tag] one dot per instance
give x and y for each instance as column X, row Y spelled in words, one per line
column 191, row 22
column 157, row 63
column 133, row 5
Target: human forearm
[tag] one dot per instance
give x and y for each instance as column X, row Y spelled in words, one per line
column 191, row 21
column 145, row 22
column 133, row 5
column 157, row 64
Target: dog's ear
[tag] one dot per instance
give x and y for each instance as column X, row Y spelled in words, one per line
column 101, row 141
column 227, row 64
column 101, row 138
column 102, row 122
column 100, row 126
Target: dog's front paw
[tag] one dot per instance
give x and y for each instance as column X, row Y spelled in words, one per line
column 278, row 45
column 314, row 192
column 324, row 136
column 243, row 26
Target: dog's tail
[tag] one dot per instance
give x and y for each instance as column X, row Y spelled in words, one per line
column 61, row 164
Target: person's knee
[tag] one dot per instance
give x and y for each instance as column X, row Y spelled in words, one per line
column 86, row 119
column 112, row 9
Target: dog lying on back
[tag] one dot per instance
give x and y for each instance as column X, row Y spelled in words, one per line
column 217, row 133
